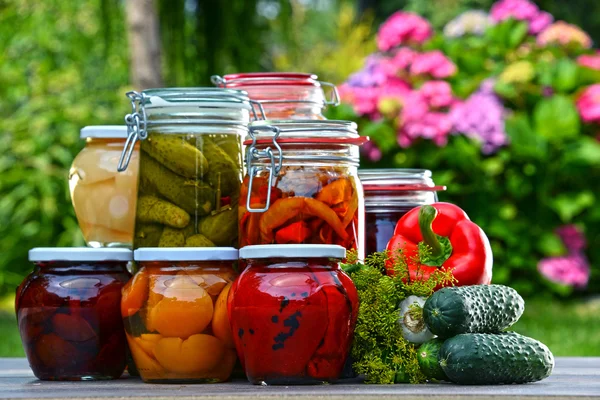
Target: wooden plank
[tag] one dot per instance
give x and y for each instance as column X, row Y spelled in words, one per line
column 573, row 378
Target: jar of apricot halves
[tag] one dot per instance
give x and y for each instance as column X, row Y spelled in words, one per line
column 175, row 314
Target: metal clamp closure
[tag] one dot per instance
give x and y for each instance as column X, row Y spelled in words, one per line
column 273, row 167
column 335, row 95
column 136, row 128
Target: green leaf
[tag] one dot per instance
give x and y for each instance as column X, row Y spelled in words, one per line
column 550, row 245
column 517, row 34
column 586, row 152
column 569, row 205
column 524, row 141
column 556, row 118
column 565, row 75
column 383, row 134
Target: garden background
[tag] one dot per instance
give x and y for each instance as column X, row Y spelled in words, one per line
column 524, row 164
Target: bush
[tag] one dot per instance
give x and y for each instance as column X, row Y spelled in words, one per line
column 503, row 108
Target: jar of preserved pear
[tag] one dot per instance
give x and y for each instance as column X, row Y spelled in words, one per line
column 389, row 194
column 103, row 198
column 284, row 95
column 190, row 165
column 301, row 185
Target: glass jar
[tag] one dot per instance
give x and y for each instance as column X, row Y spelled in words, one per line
column 190, row 165
column 293, row 312
column 68, row 311
column 283, row 95
column 302, row 185
column 175, row 314
column 103, row 198
column 389, row 194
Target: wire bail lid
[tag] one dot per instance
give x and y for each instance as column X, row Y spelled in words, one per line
column 189, row 106
column 250, row 80
column 264, row 151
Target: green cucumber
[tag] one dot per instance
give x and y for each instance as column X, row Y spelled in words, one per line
column 488, row 359
column 472, row 309
column 428, row 356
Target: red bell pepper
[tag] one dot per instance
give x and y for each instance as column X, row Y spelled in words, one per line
column 441, row 235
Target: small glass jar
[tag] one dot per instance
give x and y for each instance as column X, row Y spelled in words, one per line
column 103, row 198
column 68, row 311
column 389, row 194
column 175, row 314
column 293, row 312
column 302, row 185
column 190, row 165
column 283, row 95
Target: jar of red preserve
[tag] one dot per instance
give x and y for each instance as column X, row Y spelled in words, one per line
column 389, row 194
column 175, row 314
column 68, row 311
column 293, row 312
column 284, row 95
column 301, row 185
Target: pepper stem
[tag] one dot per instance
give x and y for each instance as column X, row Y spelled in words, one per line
column 438, row 248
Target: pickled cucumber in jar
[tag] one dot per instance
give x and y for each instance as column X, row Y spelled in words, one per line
column 187, row 186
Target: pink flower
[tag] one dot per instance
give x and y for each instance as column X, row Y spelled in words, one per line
column 572, row 237
column 420, row 120
column 572, row 270
column 521, row 10
column 437, row 93
column 400, row 60
column 402, row 28
column 563, row 33
column 588, row 104
column 371, row 151
column 363, row 99
column 590, row 60
column 433, row 63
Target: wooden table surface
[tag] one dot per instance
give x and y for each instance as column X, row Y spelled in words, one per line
column 572, row 378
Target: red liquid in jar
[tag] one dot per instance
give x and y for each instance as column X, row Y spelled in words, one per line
column 70, row 322
column 380, row 228
column 293, row 321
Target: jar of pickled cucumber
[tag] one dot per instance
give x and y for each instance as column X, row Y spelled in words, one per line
column 68, row 312
column 175, row 314
column 103, row 198
column 284, row 95
column 293, row 311
column 389, row 194
column 302, row 185
column 190, row 165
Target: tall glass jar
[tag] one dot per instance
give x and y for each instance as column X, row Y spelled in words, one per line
column 190, row 165
column 103, row 198
column 302, row 185
column 293, row 312
column 175, row 314
column 68, row 311
column 389, row 194
column 284, row 95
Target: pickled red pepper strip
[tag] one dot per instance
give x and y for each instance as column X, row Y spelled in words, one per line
column 285, row 209
column 336, row 192
column 295, row 233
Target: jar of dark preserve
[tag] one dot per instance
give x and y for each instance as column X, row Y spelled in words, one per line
column 284, row 95
column 293, row 312
column 69, row 314
column 389, row 194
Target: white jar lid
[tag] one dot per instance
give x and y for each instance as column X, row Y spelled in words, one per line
column 39, row 254
column 185, row 254
column 293, row 251
column 104, row 132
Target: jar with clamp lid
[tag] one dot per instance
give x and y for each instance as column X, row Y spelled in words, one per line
column 389, row 194
column 190, row 165
column 284, row 95
column 302, row 185
column 103, row 198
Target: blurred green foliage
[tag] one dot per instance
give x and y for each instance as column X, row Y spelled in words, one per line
column 61, row 68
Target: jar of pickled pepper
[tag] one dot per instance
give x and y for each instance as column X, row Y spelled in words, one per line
column 103, row 198
column 175, row 314
column 68, row 311
column 302, row 185
column 389, row 194
column 284, row 95
column 293, row 312
column 190, row 165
